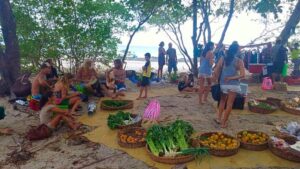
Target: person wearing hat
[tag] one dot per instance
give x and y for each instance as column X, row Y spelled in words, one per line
column 295, row 56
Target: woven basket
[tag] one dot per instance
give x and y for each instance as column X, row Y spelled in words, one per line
column 170, row 160
column 129, row 131
column 129, row 105
column 136, row 124
column 290, row 110
column 288, row 153
column 216, row 152
column 275, row 101
column 286, row 137
column 257, row 109
column 253, row 147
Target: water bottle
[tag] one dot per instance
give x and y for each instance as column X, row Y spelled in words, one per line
column 91, row 108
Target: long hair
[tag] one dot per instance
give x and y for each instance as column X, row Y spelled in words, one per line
column 209, row 46
column 45, row 98
column 65, row 79
column 231, row 53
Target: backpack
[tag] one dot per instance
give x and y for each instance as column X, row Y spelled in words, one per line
column 22, row 86
column 39, row 133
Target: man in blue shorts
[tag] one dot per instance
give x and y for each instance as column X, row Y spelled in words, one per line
column 172, row 59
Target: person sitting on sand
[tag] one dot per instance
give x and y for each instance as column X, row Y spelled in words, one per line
column 51, row 115
column 116, row 77
column 146, row 77
column 187, row 84
column 61, row 95
column 87, row 76
column 39, row 84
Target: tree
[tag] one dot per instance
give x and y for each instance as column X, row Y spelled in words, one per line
column 10, row 57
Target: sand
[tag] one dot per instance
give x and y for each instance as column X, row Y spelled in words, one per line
column 64, row 153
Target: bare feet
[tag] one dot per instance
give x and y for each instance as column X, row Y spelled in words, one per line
column 6, row 131
column 224, row 125
column 217, row 121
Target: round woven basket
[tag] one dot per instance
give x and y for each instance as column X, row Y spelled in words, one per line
column 275, row 101
column 253, row 147
column 129, row 105
column 257, row 109
column 290, row 110
column 136, row 124
column 286, row 136
column 217, row 152
column 129, row 131
column 287, row 153
column 170, row 160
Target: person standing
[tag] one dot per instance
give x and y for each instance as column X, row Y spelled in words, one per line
column 172, row 59
column 205, row 71
column 230, row 69
column 161, row 59
column 279, row 59
column 146, row 77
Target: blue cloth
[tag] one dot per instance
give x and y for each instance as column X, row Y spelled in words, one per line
column 205, row 67
column 37, row 97
column 120, row 86
column 229, row 71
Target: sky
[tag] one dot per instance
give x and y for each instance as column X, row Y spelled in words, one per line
column 244, row 27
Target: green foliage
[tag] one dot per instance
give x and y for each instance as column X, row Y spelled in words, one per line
column 71, row 30
column 114, row 121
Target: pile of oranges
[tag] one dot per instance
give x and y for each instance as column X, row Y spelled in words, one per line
column 136, row 136
column 219, row 141
column 253, row 137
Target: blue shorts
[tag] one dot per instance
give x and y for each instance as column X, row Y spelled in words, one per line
column 145, row 81
column 172, row 66
column 120, row 86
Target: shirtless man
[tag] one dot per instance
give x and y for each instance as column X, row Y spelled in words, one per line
column 39, row 82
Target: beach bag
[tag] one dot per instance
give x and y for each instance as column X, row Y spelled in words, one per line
column 285, row 70
column 267, row 84
column 152, row 111
column 22, row 86
column 39, row 133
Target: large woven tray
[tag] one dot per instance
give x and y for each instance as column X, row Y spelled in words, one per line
column 130, row 131
column 288, row 153
column 257, row 109
column 170, row 160
column 129, row 105
column 216, row 152
column 254, row 147
column 136, row 124
column 290, row 110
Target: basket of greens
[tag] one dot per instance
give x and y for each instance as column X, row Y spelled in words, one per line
column 170, row 144
column 116, row 104
column 262, row 106
column 123, row 120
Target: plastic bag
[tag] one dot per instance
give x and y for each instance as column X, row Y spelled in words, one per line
column 285, row 70
column 152, row 111
column 267, row 84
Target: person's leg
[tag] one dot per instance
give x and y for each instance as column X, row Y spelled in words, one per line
column 146, row 92
column 141, row 92
column 75, row 102
column 207, row 89
column 55, row 121
column 229, row 104
column 201, row 89
column 221, row 107
column 6, row 131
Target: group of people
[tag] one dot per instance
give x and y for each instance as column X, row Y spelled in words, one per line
column 59, row 98
column 169, row 57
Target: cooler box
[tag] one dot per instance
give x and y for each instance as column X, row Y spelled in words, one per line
column 256, row 68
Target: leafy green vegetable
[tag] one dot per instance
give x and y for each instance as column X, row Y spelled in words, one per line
column 114, row 103
column 262, row 105
column 169, row 140
column 118, row 119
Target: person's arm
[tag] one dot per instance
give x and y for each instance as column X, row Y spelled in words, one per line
column 175, row 55
column 241, row 69
column 43, row 82
column 167, row 55
column 217, row 69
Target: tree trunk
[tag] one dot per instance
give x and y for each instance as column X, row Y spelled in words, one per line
column 194, row 38
column 129, row 42
column 231, row 11
column 291, row 24
column 10, row 59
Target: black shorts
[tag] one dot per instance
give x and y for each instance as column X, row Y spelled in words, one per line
column 145, row 81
